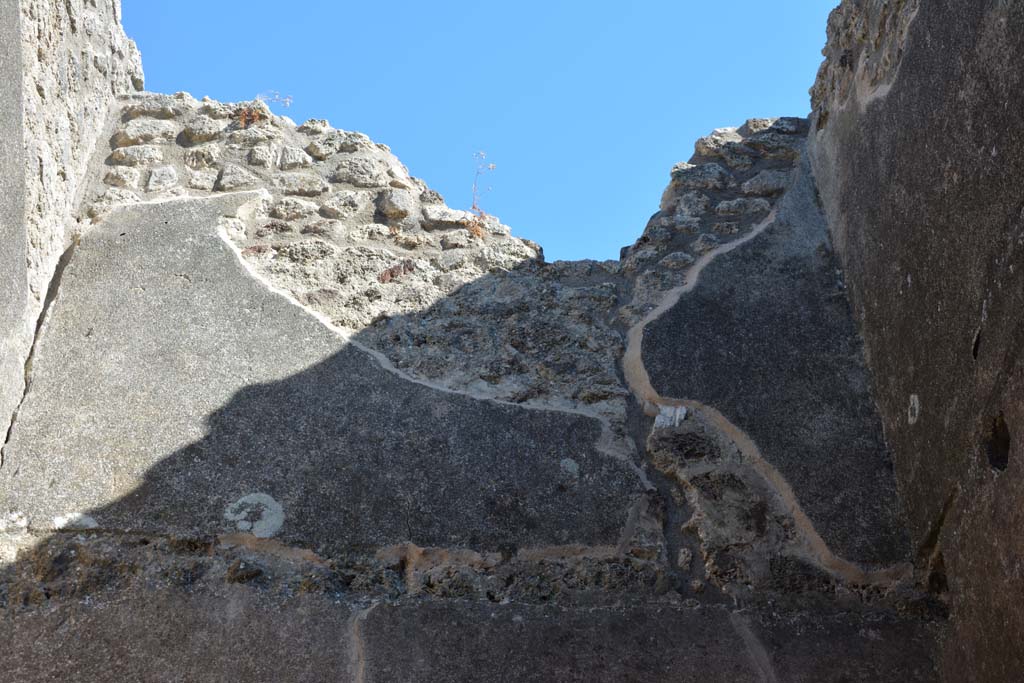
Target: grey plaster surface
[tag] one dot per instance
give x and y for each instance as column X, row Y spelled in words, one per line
column 13, row 278
column 174, row 393
column 767, row 338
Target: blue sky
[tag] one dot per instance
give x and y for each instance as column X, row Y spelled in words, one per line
column 583, row 107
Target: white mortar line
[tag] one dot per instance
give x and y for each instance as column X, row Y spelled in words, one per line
column 639, row 383
column 606, row 443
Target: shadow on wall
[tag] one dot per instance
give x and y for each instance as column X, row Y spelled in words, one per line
column 307, row 439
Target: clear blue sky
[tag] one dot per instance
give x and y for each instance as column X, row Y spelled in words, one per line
column 583, row 107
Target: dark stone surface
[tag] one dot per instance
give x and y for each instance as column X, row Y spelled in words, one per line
column 767, row 338
column 169, row 383
column 237, row 635
column 924, row 197
column 433, row 641
column 13, row 277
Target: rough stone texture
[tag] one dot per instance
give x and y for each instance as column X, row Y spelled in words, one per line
column 279, row 376
column 767, row 338
column 14, row 328
column 74, row 59
column 918, row 163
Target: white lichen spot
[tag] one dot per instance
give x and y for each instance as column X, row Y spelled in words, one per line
column 257, row 514
column 570, row 467
column 913, row 409
column 74, row 520
column 669, row 416
column 14, row 521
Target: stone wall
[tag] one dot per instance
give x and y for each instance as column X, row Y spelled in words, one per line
column 74, row 58
column 13, row 346
column 918, row 160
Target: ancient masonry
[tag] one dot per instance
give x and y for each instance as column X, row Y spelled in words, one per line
column 274, row 412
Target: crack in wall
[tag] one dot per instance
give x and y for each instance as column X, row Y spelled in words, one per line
column 756, row 652
column 51, row 295
column 357, row 643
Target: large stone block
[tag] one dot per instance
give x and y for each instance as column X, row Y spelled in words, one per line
column 918, row 160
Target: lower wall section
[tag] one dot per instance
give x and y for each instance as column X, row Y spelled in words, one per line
column 920, row 177
column 113, row 607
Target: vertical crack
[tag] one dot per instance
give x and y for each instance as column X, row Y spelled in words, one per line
column 358, row 644
column 51, row 296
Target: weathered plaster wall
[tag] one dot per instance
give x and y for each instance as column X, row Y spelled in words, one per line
column 918, row 157
column 74, row 58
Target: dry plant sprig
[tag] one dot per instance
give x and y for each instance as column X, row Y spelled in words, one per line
column 274, row 97
column 476, row 226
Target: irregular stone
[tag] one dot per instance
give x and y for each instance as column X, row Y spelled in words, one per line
column 705, row 243
column 456, row 239
column 293, row 157
column 112, row 197
column 162, row 178
column 145, row 130
column 137, row 155
column 344, row 204
column 292, row 209
column 202, row 179
column 711, row 145
column 336, row 141
column 157, row 107
column 204, row 156
column 439, row 217
column 360, row 172
column 766, row 183
column 398, row 204
column 774, row 145
column 752, row 126
column 677, row 260
column 315, row 127
column 202, row 129
column 742, row 205
column 691, row 204
column 429, row 196
column 234, row 177
column 303, row 184
column 709, row 176
column 253, row 135
column 261, row 156
column 216, row 110
column 123, row 176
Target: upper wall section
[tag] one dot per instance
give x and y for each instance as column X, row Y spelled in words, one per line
column 916, row 150
column 12, row 202
column 71, row 58
column 76, row 58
